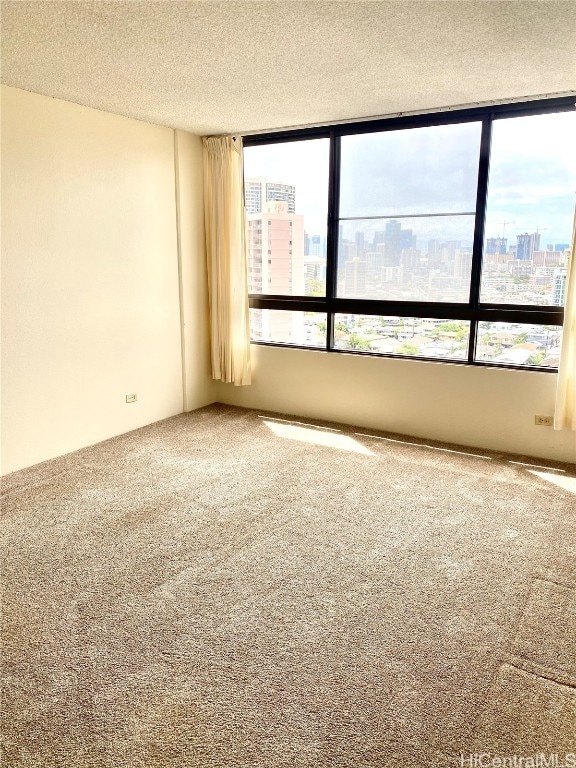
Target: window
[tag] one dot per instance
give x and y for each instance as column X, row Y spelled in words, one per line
column 293, row 179
column 441, row 237
column 530, row 209
column 407, row 208
column 410, row 336
column 301, row 329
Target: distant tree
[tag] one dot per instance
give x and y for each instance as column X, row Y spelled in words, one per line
column 457, row 328
column 449, row 327
column 521, row 338
column 342, row 327
column 357, row 342
column 314, row 287
column 537, row 357
column 406, row 349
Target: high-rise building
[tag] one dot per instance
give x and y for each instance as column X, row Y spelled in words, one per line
column 490, row 259
column 462, row 264
column 374, row 262
column 559, row 286
column 254, row 247
column 276, row 266
column 257, row 192
column 496, row 245
column 526, row 244
column 410, row 258
column 315, row 246
column 315, row 269
column 395, row 240
column 346, row 251
column 355, row 277
column 547, row 258
column 276, row 250
column 379, row 237
column 521, row 268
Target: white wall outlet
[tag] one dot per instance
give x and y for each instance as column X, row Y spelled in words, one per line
column 131, row 398
column 544, row 421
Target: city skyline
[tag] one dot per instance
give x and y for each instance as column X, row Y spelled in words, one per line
column 284, row 259
column 286, row 192
column 406, row 231
column 391, row 264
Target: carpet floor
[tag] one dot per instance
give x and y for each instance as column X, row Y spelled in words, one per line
column 231, row 589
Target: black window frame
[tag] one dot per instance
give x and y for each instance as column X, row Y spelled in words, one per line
column 474, row 310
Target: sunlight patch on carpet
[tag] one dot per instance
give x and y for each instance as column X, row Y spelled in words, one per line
column 310, row 435
column 567, row 483
column 299, row 423
column 423, row 445
column 536, row 466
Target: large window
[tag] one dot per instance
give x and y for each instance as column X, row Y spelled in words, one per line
column 439, row 237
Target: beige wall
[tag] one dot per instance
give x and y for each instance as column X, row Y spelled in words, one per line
column 487, row 408
column 197, row 381
column 91, row 307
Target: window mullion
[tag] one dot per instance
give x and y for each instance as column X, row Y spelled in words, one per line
column 479, row 224
column 332, row 233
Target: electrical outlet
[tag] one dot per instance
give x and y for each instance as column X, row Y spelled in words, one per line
column 131, row 398
column 544, row 421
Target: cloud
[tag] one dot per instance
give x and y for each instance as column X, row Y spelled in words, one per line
column 421, row 170
column 434, row 170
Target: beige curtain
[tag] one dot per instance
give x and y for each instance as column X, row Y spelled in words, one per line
column 565, row 411
column 226, row 257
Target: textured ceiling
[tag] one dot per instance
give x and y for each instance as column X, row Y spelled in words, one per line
column 222, row 67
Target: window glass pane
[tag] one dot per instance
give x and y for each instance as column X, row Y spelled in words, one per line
column 417, row 170
column 411, row 336
column 286, row 194
column 530, row 209
column 412, row 259
column 519, row 344
column 304, row 329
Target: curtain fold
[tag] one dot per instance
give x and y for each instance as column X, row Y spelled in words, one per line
column 226, row 259
column 565, row 410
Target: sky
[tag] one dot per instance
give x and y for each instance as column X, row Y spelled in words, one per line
column 532, row 183
column 533, row 177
